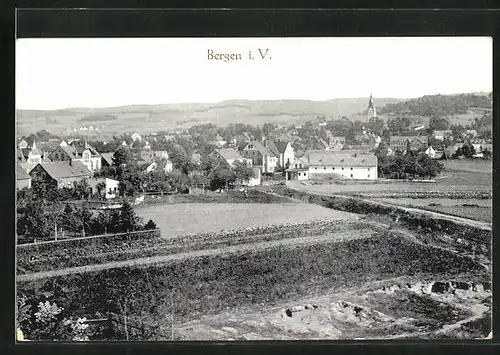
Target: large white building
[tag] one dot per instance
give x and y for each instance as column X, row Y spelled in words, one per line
column 343, row 164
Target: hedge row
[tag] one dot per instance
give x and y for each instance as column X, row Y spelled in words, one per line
column 213, row 284
column 53, row 256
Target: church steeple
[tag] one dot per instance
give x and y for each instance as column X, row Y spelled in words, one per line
column 371, row 112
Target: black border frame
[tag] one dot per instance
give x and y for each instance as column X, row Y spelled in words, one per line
column 223, row 22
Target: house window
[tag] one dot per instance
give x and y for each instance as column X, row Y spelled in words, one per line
column 351, row 175
column 316, row 168
column 324, row 168
column 368, row 175
column 299, row 174
column 351, row 168
column 368, row 170
column 333, row 168
column 342, row 168
column 296, row 166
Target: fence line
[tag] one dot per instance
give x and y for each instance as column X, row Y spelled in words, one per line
column 89, row 237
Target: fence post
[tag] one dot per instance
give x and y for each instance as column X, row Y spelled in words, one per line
column 110, row 329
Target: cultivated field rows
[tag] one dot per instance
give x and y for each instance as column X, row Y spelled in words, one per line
column 153, row 259
column 56, row 256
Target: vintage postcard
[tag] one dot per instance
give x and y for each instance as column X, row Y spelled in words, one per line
column 253, row 188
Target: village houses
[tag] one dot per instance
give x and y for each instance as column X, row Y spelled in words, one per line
column 260, row 156
column 60, row 173
column 75, row 152
column 283, row 150
column 29, row 157
column 441, row 135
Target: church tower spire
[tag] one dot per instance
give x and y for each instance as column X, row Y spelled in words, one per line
column 371, row 112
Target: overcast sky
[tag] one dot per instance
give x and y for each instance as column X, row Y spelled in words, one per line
column 62, row 73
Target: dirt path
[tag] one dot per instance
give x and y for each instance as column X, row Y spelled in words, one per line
column 330, row 237
column 466, row 221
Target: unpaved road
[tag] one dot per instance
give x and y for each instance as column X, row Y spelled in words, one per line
column 330, row 237
column 315, row 189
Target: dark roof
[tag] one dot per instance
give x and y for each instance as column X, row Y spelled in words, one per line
column 21, row 174
column 80, row 148
column 341, row 159
column 273, row 147
column 70, row 150
column 108, row 157
column 260, row 147
column 281, row 145
column 25, row 152
column 59, row 170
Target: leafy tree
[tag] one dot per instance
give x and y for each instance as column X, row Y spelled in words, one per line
column 129, row 221
column 468, row 150
column 486, row 154
column 70, row 220
column 101, row 187
column 268, row 128
column 438, row 123
column 82, row 189
column 398, row 125
column 36, row 222
column 136, row 144
column 376, row 125
column 457, row 130
column 86, row 221
column 426, row 167
column 121, row 157
column 181, row 160
column 221, row 177
column 242, row 171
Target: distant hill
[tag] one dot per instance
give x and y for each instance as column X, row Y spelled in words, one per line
column 144, row 118
column 440, row 105
column 462, row 108
column 97, row 118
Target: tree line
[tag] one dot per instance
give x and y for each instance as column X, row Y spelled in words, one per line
column 41, row 219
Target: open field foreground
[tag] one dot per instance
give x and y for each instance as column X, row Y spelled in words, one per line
column 183, row 219
column 255, row 287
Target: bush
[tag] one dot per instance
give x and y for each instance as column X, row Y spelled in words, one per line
column 150, row 225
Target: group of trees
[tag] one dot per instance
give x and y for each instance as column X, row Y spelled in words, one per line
column 218, row 174
column 438, row 105
column 412, row 165
column 41, row 219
